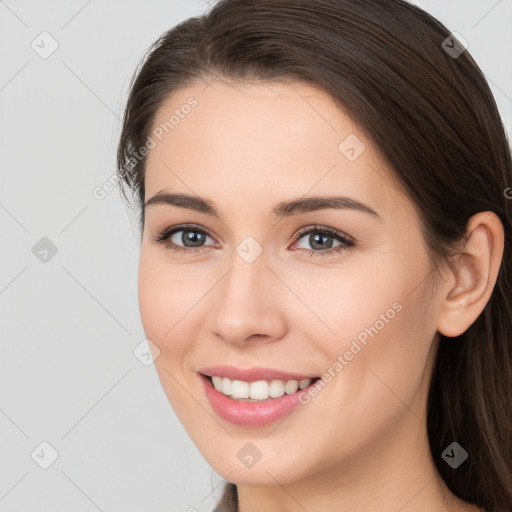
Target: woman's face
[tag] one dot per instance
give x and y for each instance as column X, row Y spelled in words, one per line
column 260, row 288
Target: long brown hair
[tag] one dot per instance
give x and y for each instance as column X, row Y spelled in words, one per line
column 432, row 116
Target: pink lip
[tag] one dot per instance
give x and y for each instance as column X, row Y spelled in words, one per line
column 253, row 374
column 251, row 414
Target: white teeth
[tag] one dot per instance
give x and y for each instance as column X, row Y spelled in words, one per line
column 217, row 382
column 291, row 386
column 304, row 383
column 227, row 385
column 258, row 390
column 239, row 389
column 276, row 388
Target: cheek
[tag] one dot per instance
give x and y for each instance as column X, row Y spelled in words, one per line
column 372, row 321
column 361, row 299
column 385, row 336
column 164, row 299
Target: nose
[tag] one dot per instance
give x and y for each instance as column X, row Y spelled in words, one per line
column 249, row 304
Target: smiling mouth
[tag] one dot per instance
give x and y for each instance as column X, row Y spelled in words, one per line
column 257, row 391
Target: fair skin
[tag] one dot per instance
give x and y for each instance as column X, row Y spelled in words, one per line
column 361, row 443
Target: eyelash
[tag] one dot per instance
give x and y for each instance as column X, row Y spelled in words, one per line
column 346, row 242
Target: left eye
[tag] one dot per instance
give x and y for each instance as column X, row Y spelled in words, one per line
column 321, row 240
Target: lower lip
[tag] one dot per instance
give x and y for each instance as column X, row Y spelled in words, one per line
column 251, row 414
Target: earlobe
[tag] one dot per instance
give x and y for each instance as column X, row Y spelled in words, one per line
column 474, row 275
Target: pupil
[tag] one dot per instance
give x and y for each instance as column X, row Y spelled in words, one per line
column 192, row 236
column 313, row 241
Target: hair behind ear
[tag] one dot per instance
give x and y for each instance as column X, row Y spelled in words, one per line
column 469, row 403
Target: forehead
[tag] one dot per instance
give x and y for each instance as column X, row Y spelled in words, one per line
column 267, row 141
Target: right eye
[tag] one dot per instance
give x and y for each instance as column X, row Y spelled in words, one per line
column 184, row 234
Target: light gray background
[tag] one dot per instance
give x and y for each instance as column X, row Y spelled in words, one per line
column 68, row 375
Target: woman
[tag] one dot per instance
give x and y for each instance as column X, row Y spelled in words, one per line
column 325, row 267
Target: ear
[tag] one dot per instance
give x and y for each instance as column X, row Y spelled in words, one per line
column 471, row 282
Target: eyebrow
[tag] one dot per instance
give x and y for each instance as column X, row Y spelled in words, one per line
column 283, row 209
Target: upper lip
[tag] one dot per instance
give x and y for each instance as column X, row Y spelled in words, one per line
column 253, row 374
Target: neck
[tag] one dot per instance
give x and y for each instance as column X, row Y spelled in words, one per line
column 396, row 473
